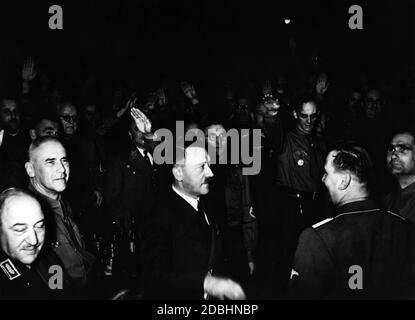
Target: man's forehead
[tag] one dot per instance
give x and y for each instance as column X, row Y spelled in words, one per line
column 216, row 129
column 47, row 123
column 69, row 109
column 22, row 209
column 403, row 138
column 308, row 108
column 196, row 155
column 9, row 104
column 373, row 94
column 50, row 149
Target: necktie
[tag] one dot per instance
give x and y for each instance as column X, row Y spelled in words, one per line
column 147, row 159
column 202, row 212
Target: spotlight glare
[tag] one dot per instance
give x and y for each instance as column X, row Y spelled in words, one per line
column 287, row 21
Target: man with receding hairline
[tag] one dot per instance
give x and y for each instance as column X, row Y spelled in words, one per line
column 48, row 170
column 181, row 240
column 24, row 266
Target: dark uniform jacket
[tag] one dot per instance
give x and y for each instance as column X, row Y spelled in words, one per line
column 301, row 162
column 64, row 239
column 130, row 186
column 179, row 249
column 18, row 282
column 402, row 202
column 362, row 236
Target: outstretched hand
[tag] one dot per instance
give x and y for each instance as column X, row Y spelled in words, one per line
column 321, row 84
column 28, row 69
column 141, row 121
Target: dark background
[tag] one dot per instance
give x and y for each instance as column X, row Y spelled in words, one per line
column 205, row 40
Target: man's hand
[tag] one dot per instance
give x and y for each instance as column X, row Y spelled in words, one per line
column 28, row 70
column 130, row 103
column 223, row 288
column 321, row 84
column 141, row 121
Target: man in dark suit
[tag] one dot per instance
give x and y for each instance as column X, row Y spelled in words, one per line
column 363, row 252
column 181, row 242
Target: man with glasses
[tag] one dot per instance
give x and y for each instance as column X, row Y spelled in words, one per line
column 299, row 170
column 84, row 190
column 364, row 252
column 400, row 161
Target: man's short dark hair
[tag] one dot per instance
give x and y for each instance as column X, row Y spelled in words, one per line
column 356, row 161
column 40, row 116
column 406, row 129
column 38, row 142
column 7, row 98
column 303, row 100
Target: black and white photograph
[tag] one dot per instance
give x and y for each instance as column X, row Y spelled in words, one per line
column 218, row 153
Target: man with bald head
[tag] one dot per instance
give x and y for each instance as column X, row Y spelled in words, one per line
column 24, row 266
column 48, row 170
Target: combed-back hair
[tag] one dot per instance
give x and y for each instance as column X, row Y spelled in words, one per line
column 356, row 161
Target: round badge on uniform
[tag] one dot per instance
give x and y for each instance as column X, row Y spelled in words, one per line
column 300, row 162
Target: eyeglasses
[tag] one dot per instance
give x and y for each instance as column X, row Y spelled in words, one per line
column 399, row 148
column 69, row 119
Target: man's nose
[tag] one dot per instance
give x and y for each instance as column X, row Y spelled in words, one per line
column 61, row 167
column 394, row 154
column 208, row 172
column 32, row 237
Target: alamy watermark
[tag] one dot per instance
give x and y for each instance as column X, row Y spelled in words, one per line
column 244, row 146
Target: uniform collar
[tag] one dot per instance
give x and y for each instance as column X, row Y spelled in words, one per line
column 357, row 207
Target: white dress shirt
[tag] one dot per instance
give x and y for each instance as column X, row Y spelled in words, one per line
column 190, row 200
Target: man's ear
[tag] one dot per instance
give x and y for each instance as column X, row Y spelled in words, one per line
column 295, row 114
column 345, row 181
column 32, row 134
column 177, row 173
column 29, row 169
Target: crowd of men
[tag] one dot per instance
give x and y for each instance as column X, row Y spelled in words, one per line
column 330, row 214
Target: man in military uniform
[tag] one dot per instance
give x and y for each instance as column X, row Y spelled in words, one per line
column 401, row 163
column 363, row 252
column 25, row 271
column 48, row 170
column 299, row 170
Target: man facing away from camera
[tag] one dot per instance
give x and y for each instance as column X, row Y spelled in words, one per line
column 364, row 252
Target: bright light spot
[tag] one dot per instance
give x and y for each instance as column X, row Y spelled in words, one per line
column 287, row 21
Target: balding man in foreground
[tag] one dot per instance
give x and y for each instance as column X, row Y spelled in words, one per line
column 26, row 271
